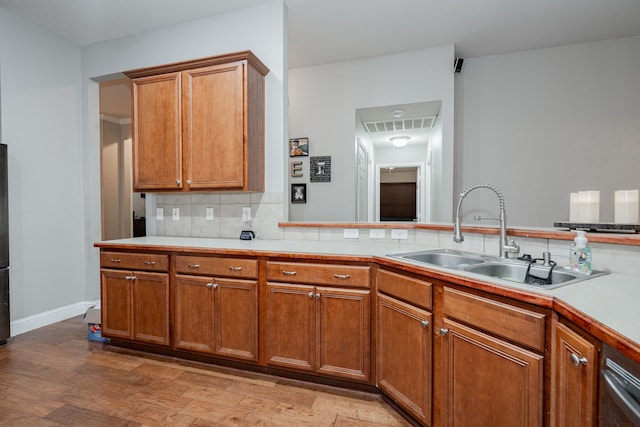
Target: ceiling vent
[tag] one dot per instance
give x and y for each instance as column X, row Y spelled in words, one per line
column 400, row 125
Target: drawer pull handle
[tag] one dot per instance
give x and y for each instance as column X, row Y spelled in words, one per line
column 194, row 265
column 424, row 323
column 129, row 277
column 149, row 263
column 116, row 260
column 235, row 268
column 289, row 273
column 577, row 361
column 341, row 276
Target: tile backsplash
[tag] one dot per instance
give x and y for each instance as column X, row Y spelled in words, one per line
column 266, row 212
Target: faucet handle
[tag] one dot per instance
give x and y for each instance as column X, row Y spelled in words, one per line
column 510, row 247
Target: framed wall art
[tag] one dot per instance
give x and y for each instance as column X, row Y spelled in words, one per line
column 320, row 169
column 298, row 147
column 298, row 193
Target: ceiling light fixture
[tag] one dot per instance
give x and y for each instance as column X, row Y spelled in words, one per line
column 399, row 141
column 397, row 113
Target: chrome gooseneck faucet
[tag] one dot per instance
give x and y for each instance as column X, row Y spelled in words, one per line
column 506, row 246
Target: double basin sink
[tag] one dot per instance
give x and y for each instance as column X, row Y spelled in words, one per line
column 524, row 272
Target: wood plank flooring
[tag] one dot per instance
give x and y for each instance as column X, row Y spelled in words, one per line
column 53, row 376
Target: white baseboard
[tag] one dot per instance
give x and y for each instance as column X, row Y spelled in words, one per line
column 39, row 320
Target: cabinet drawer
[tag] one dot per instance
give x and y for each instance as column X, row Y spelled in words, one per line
column 134, row 261
column 318, row 274
column 217, row 266
column 514, row 323
column 413, row 291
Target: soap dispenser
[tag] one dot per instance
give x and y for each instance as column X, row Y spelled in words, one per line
column 580, row 253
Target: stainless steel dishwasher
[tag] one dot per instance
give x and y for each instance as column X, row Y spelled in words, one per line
column 620, row 399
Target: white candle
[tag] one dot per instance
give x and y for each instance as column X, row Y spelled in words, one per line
column 626, row 207
column 589, row 207
column 574, row 204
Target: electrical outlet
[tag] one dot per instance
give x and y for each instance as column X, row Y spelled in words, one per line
column 208, row 214
column 402, row 234
column 377, row 233
column 351, row 233
column 159, row 214
column 176, row 214
column 246, row 214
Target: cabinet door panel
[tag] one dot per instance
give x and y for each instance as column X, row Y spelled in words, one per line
column 116, row 305
column 573, row 401
column 290, row 340
column 193, row 313
column 157, row 132
column 236, row 318
column 343, row 333
column 214, row 128
column 151, row 307
column 404, row 356
column 489, row 382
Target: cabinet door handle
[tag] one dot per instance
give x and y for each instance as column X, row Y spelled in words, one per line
column 310, row 294
column 129, row 277
column 424, row 323
column 289, row 273
column 341, row 276
column 317, row 296
column 444, row 331
column 209, row 285
column 188, row 182
column 149, row 263
column 235, row 268
column 194, row 265
column 577, row 360
column 178, row 182
column 215, row 286
column 116, row 260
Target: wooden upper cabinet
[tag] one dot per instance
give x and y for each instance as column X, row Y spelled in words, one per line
column 157, row 132
column 199, row 125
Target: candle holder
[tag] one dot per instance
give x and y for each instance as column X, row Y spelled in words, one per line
column 626, row 206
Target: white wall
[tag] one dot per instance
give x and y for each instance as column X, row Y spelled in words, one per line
column 322, row 104
column 41, row 113
column 543, row 123
column 260, row 29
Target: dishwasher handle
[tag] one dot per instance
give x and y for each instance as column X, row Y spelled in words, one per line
column 618, row 391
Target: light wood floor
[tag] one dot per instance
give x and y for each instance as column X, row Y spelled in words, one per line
column 55, row 377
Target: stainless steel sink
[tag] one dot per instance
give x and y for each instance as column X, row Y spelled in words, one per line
column 512, row 270
column 522, row 273
column 443, row 258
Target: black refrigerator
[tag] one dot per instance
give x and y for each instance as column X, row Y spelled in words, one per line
column 5, row 320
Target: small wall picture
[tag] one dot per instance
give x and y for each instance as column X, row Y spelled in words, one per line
column 320, row 168
column 298, row 193
column 298, row 147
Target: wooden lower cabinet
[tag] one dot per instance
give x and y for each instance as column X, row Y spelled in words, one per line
column 321, row 330
column 488, row 381
column 573, row 379
column 404, row 356
column 217, row 316
column 135, row 305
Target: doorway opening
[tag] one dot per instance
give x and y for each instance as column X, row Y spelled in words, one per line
column 399, row 193
column 123, row 211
